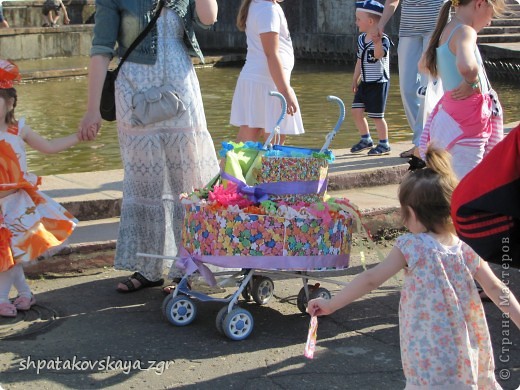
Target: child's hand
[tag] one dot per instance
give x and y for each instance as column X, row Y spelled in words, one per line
column 319, row 307
column 89, row 126
column 290, row 98
column 355, row 85
column 463, row 91
column 375, row 34
column 376, row 38
column 66, row 20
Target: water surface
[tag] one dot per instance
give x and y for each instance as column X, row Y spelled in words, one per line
column 55, row 107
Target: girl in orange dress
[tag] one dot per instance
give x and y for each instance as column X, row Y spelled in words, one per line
column 30, row 222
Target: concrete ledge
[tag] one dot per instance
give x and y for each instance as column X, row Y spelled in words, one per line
column 94, row 209
column 102, row 197
column 370, row 178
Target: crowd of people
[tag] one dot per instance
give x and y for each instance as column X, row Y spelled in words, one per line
column 445, row 340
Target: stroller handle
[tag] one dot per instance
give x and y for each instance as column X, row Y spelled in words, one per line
column 276, row 129
column 330, row 136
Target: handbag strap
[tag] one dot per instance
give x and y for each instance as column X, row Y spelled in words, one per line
column 141, row 36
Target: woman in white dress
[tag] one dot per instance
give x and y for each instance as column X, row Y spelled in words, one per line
column 268, row 67
column 162, row 159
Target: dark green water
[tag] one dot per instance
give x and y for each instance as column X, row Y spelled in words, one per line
column 54, row 108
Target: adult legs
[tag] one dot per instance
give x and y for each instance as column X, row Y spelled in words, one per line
column 409, row 53
column 256, row 134
column 246, row 133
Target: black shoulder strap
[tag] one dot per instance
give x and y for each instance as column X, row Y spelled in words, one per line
column 141, row 36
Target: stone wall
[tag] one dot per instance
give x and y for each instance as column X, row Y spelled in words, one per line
column 320, row 29
column 40, row 42
column 29, row 13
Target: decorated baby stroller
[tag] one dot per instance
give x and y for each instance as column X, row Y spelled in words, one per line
column 266, row 213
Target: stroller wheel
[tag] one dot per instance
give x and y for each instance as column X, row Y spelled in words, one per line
column 165, row 302
column 315, row 291
column 219, row 321
column 263, row 289
column 320, row 292
column 181, row 311
column 238, row 324
column 246, row 293
column 301, row 300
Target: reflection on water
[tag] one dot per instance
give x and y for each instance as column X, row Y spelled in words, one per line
column 54, row 108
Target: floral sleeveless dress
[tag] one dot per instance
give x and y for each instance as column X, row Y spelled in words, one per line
column 445, row 342
column 161, row 160
column 30, row 221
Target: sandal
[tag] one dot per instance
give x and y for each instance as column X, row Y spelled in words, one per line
column 7, row 310
column 24, row 303
column 144, row 283
column 379, row 150
column 407, row 153
column 363, row 144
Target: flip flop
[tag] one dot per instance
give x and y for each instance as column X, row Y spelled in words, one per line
column 144, row 283
column 24, row 303
column 407, row 153
column 7, row 310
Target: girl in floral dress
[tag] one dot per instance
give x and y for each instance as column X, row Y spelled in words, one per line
column 445, row 340
column 30, row 222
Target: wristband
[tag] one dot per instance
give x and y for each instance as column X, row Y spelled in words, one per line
column 474, row 84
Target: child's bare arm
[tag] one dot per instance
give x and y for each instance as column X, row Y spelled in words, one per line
column 466, row 61
column 361, row 285
column 357, row 74
column 48, row 146
column 270, row 46
column 498, row 292
column 422, row 65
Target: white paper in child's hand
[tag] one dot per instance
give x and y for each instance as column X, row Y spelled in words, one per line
column 310, row 346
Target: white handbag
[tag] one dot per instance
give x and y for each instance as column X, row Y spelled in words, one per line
column 156, row 104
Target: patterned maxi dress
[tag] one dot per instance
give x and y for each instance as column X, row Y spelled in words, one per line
column 30, row 222
column 445, row 342
column 161, row 160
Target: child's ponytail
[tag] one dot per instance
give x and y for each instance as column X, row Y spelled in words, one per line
column 428, row 192
column 242, row 15
column 431, row 52
column 439, row 161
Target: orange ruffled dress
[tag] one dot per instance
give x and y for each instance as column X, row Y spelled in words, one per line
column 30, row 222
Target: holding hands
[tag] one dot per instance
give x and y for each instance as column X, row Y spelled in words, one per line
column 89, row 126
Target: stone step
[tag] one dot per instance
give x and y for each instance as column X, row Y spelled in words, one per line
column 485, row 38
column 515, row 21
column 494, row 30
